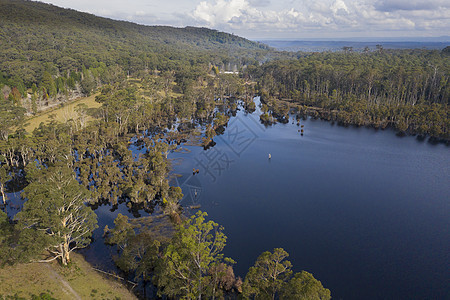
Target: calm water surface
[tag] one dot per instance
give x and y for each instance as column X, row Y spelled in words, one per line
column 363, row 210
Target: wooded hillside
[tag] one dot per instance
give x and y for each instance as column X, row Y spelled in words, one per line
column 37, row 37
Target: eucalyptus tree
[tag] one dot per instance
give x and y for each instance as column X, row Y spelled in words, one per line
column 55, row 211
column 185, row 267
column 268, row 275
column 271, row 278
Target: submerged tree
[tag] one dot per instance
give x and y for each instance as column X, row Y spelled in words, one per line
column 137, row 247
column 55, row 210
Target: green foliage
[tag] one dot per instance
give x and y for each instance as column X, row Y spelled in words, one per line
column 11, row 115
column 56, row 212
column 271, row 278
column 38, row 38
column 405, row 89
column 187, row 261
column 5, row 176
column 5, row 231
column 304, row 286
column 139, row 251
column 18, row 245
column 121, row 233
column 42, row 296
column 268, row 276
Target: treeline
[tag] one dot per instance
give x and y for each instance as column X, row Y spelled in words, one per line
column 405, row 89
column 58, row 89
column 18, row 102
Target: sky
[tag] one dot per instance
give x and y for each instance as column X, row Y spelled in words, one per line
column 283, row 19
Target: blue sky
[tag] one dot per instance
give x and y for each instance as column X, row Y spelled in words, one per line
column 293, row 19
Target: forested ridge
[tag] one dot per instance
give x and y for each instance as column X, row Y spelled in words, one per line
column 160, row 87
column 36, row 38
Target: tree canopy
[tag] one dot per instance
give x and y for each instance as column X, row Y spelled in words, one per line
column 56, row 211
column 189, row 268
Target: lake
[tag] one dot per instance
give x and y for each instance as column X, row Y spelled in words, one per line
column 365, row 211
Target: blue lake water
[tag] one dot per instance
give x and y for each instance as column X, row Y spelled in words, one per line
column 365, row 211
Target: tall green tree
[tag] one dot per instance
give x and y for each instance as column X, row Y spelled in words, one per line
column 196, row 249
column 268, row 276
column 56, row 210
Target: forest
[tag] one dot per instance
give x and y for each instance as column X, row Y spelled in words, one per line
column 160, row 87
column 404, row 89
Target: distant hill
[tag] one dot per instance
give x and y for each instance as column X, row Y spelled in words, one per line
column 37, row 37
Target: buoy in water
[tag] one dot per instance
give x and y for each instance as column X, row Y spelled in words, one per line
column 270, row 156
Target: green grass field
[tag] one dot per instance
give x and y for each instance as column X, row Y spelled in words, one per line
column 61, row 114
column 78, row 281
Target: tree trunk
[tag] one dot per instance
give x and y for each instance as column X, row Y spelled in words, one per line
column 2, row 191
column 65, row 253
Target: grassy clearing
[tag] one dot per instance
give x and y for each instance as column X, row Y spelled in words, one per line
column 74, row 282
column 60, row 114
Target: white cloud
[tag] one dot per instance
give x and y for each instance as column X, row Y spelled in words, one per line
column 328, row 16
column 339, row 7
column 221, row 11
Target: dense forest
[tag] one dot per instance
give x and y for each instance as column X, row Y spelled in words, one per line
column 38, row 38
column 160, row 87
column 408, row 90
